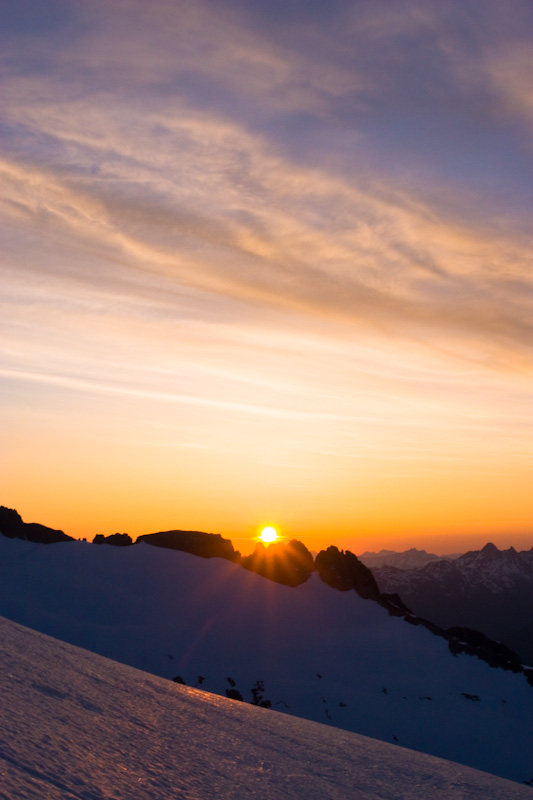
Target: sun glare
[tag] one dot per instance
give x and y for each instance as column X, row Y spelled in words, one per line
column 268, row 535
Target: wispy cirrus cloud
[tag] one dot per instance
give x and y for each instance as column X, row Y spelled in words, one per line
column 288, row 236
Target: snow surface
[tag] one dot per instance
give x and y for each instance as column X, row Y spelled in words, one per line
column 324, row 655
column 77, row 726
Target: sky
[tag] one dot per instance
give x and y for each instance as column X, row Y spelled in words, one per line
column 269, row 263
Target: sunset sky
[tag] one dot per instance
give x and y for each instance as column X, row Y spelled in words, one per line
column 269, row 262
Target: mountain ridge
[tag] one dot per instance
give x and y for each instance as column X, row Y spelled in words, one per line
column 310, row 650
column 290, row 563
column 407, row 559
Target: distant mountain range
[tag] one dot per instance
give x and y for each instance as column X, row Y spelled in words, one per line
column 490, row 590
column 408, row 559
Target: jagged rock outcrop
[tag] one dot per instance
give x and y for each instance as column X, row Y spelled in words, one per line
column 116, row 539
column 289, row 563
column 394, row 605
column 474, row 643
column 466, row 640
column 12, row 526
column 343, row 571
column 198, row 543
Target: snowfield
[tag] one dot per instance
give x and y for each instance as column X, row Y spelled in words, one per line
column 77, row 726
column 320, row 654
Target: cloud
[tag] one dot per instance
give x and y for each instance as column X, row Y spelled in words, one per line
column 227, row 214
column 511, row 71
column 207, row 191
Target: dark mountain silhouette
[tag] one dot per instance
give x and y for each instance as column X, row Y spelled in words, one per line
column 12, row 526
column 489, row 590
column 198, row 543
column 290, row 564
column 343, row 571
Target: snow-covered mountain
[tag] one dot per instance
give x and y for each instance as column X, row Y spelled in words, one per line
column 408, row 559
column 310, row 650
column 76, row 725
column 490, row 590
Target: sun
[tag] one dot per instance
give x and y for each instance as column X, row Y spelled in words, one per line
column 268, row 535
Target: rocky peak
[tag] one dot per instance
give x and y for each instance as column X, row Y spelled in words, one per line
column 13, row 527
column 343, row 571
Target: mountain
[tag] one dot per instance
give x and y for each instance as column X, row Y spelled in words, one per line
column 408, row 559
column 291, row 564
column 12, row 526
column 313, row 651
column 78, row 725
column 490, row 590
column 205, row 545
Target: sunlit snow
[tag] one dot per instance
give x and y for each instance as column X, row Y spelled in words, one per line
column 81, row 727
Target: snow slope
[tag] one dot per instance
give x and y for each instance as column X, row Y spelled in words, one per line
column 323, row 655
column 77, row 726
